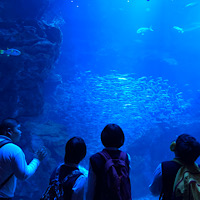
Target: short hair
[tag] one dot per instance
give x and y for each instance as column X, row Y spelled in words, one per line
column 187, row 148
column 112, row 136
column 75, row 150
column 8, row 123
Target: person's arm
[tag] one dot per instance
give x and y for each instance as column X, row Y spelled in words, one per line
column 156, row 185
column 91, row 184
column 21, row 169
column 79, row 188
column 129, row 159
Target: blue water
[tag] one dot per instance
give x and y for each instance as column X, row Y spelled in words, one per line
column 107, row 72
column 102, row 35
column 148, row 82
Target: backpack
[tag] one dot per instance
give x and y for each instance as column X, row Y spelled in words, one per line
column 2, row 143
column 187, row 183
column 55, row 190
column 117, row 182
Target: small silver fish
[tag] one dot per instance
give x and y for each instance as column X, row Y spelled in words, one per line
column 124, row 79
column 10, row 52
column 143, row 30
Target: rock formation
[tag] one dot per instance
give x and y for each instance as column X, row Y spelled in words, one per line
column 22, row 76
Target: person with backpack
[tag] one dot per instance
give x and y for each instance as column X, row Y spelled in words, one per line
column 109, row 169
column 68, row 180
column 13, row 165
column 179, row 179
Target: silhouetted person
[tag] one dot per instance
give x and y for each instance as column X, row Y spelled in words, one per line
column 100, row 187
column 70, row 174
column 13, row 164
column 186, row 150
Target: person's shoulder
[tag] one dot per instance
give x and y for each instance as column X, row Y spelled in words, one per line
column 13, row 148
column 165, row 162
column 170, row 166
column 126, row 157
column 95, row 156
column 124, row 152
column 170, row 162
column 96, row 161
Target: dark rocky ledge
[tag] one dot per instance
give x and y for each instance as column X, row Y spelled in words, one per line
column 22, row 76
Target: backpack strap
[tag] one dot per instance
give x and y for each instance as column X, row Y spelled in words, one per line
column 183, row 164
column 109, row 159
column 6, row 180
column 122, row 156
column 107, row 156
column 2, row 143
column 74, row 173
column 57, row 173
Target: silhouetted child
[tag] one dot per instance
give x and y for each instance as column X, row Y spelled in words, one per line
column 70, row 175
column 109, row 169
column 186, row 150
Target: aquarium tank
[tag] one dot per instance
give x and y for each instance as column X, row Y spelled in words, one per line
column 70, row 67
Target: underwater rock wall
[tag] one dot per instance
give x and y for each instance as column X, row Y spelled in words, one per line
column 37, row 47
column 23, row 9
column 22, row 76
column 51, row 135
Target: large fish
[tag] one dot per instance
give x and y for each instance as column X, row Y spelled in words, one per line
column 180, row 30
column 10, row 52
column 143, row 30
column 191, row 4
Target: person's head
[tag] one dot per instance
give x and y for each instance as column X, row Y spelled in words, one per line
column 75, row 150
column 187, row 148
column 10, row 127
column 112, row 136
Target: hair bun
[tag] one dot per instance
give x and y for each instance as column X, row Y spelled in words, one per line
column 173, row 146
